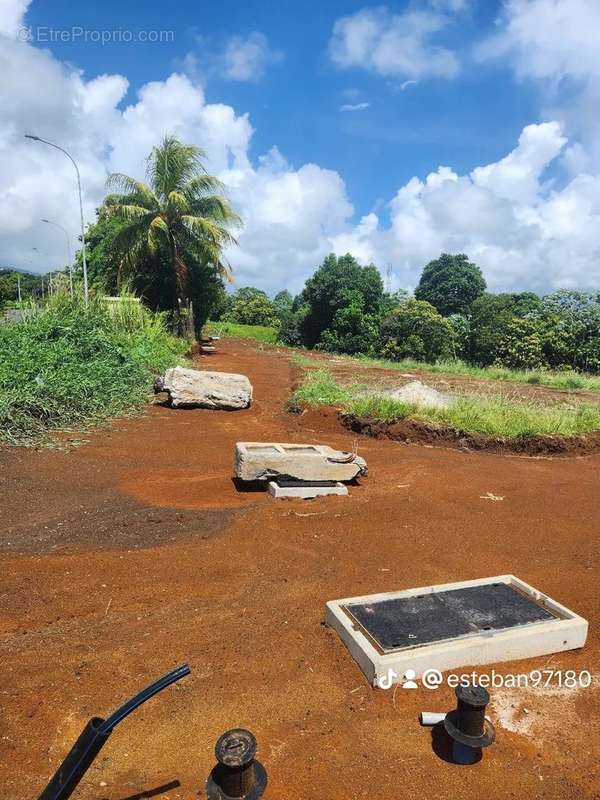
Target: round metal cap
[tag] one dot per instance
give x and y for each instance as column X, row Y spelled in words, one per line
column 235, row 748
column 472, row 695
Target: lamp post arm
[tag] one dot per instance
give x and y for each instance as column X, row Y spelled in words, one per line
column 70, row 157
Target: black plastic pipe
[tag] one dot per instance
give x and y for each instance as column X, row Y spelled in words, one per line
column 94, row 736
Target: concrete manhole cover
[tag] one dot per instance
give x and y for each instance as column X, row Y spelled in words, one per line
column 438, row 616
column 452, row 625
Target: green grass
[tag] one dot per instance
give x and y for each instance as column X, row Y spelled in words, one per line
column 490, row 415
column 260, row 332
column 68, row 367
column 556, row 380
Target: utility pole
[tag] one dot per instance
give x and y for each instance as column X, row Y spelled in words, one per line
column 85, row 276
column 19, row 287
column 388, row 278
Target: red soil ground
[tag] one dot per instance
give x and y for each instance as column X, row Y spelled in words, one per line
column 134, row 552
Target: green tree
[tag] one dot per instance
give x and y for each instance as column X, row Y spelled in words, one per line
column 352, row 331
column 102, row 255
column 491, row 314
column 416, row 330
column 521, row 345
column 181, row 214
column 282, row 303
column 340, row 282
column 451, row 283
column 31, row 286
column 251, row 306
column 462, row 329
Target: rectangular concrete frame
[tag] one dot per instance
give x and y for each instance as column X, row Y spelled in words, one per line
column 316, row 462
column 306, row 492
column 489, row 647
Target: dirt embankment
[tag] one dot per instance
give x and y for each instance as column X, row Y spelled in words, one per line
column 412, row 431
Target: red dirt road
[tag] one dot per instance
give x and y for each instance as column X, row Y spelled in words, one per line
column 133, row 553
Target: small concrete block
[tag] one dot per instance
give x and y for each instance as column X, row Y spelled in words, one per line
column 261, row 461
column 305, row 491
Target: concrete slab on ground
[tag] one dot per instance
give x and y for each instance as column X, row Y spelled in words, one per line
column 305, row 491
column 452, row 625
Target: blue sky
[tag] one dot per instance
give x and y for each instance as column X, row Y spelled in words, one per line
column 392, row 130
column 295, row 104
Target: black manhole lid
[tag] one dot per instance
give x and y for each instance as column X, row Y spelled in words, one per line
column 403, row 622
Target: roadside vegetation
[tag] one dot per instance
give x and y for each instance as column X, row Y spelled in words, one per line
column 489, row 415
column 260, row 332
column 68, row 367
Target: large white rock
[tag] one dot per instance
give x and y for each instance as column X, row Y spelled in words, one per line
column 193, row 388
column 255, row 461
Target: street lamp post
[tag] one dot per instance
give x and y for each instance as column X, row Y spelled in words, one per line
column 66, row 233
column 85, row 279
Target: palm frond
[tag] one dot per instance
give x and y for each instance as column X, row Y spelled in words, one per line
column 158, row 233
column 129, row 212
column 202, row 185
column 217, row 208
column 122, row 184
column 172, row 164
column 177, row 205
column 207, row 229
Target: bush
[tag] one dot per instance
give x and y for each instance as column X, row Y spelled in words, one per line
column 521, row 345
column 416, row 330
column 251, row 306
column 491, row 315
column 461, row 329
column 69, row 366
column 352, row 331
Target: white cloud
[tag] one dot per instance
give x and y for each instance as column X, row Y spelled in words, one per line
column 393, row 45
column 12, row 14
column 555, row 44
column 246, row 58
column 524, row 230
column 354, row 106
column 548, row 38
column 289, row 213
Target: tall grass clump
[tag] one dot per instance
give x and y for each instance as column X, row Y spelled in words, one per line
column 491, row 415
column 69, row 366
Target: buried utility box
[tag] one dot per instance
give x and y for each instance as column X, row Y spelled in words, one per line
column 452, row 625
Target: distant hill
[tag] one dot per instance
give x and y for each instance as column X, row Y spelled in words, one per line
column 31, row 285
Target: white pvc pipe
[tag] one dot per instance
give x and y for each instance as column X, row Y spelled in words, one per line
column 431, row 717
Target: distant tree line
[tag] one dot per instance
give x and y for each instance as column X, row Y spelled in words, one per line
column 343, row 308
column 33, row 287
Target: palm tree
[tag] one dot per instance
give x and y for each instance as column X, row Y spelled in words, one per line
column 181, row 215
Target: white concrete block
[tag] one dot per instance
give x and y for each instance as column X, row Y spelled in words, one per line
column 564, row 631
column 304, row 491
column 309, row 462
